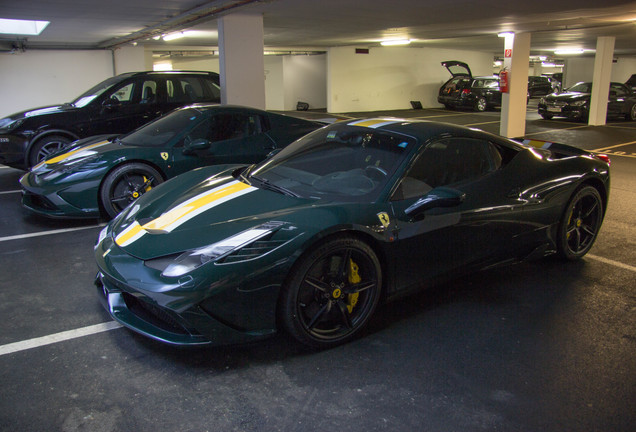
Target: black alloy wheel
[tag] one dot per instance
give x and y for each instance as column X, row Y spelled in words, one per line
column 580, row 223
column 331, row 293
column 45, row 147
column 125, row 184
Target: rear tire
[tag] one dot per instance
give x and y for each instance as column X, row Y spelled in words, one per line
column 481, row 105
column 580, row 223
column 547, row 116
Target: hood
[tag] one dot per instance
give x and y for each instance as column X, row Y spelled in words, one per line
column 35, row 112
column 79, row 152
column 457, row 68
column 197, row 209
column 568, row 96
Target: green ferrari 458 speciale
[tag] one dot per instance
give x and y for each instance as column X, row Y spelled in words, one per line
column 101, row 175
column 310, row 240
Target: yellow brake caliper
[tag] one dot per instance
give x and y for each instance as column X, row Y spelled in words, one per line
column 354, row 278
column 147, row 187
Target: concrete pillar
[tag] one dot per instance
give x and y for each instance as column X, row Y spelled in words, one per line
column 241, row 62
column 513, row 104
column 601, row 80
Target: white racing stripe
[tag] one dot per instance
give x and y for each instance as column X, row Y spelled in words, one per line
column 58, row 337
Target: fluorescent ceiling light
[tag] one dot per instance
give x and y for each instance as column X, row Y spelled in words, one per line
column 395, row 42
column 566, row 51
column 172, row 36
column 505, row 34
column 22, row 27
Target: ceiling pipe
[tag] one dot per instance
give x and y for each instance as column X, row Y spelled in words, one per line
column 190, row 18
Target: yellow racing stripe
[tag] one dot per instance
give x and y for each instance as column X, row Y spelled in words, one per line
column 375, row 123
column 183, row 212
column 166, row 221
column 71, row 153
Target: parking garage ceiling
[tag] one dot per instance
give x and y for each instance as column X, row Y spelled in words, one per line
column 311, row 24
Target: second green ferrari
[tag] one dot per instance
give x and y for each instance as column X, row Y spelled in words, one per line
column 101, row 175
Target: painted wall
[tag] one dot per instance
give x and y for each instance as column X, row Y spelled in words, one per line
column 208, row 64
column 305, row 80
column 582, row 69
column 274, row 83
column 389, row 78
column 38, row 78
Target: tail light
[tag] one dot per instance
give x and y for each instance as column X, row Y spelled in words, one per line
column 465, row 91
column 605, row 158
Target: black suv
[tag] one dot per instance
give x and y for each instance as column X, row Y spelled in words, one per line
column 116, row 105
column 465, row 91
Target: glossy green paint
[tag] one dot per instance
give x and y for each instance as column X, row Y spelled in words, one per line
column 504, row 216
column 71, row 183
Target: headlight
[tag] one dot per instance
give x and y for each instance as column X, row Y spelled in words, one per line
column 193, row 259
column 579, row 103
column 7, row 124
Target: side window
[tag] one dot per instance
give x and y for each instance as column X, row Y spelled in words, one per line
column 448, row 161
column 148, row 92
column 234, row 126
column 212, row 90
column 619, row 90
column 186, row 90
column 123, row 94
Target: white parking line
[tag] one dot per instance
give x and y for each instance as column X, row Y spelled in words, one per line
column 112, row 325
column 9, row 192
column 43, row 233
column 58, row 337
column 611, row 262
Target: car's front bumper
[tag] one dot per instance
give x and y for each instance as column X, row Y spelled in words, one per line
column 236, row 305
column 13, row 150
column 71, row 201
column 563, row 110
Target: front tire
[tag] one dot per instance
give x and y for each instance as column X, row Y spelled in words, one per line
column 580, row 223
column 632, row 113
column 125, row 184
column 45, row 147
column 331, row 293
column 546, row 116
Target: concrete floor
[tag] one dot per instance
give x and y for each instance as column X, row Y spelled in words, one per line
column 542, row 346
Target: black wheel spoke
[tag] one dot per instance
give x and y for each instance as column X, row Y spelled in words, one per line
column 317, row 283
column 344, row 314
column 343, row 271
column 316, row 318
column 359, row 287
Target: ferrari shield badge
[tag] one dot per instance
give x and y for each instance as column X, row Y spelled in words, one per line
column 384, row 219
column 164, row 155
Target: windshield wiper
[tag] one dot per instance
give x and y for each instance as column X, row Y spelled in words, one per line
column 271, row 186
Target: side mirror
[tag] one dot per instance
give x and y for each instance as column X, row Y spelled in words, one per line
column 438, row 197
column 196, row 145
column 273, row 153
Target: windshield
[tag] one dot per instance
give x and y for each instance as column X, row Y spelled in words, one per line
column 581, row 88
column 340, row 162
column 86, row 97
column 158, row 132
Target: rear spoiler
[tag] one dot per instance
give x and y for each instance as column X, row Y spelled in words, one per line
column 563, row 149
